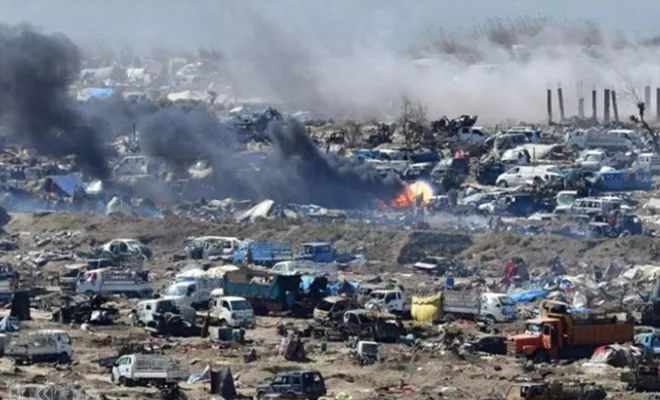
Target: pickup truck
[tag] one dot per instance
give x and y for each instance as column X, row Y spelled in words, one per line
column 492, row 307
column 43, row 345
column 145, row 369
column 322, row 252
column 262, row 252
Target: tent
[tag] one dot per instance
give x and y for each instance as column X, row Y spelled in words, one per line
column 222, row 383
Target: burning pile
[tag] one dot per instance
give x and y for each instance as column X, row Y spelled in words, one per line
column 419, row 191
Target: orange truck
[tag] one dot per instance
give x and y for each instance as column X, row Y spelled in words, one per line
column 558, row 334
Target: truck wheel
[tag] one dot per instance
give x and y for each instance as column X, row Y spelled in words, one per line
column 502, row 184
column 62, row 358
column 261, row 395
column 122, row 381
column 491, row 320
column 541, row 357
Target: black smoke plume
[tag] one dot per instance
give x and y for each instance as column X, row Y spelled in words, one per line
column 36, row 71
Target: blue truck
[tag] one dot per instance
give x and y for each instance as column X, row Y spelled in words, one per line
column 264, row 253
column 275, row 293
column 322, row 252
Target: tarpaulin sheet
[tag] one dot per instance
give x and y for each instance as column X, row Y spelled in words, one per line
column 527, row 296
column 67, row 183
column 426, row 309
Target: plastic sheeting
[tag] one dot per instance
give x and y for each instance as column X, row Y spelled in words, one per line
column 528, row 296
column 426, row 309
column 9, row 324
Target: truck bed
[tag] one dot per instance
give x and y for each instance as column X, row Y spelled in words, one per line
column 271, row 251
column 603, row 334
column 455, row 302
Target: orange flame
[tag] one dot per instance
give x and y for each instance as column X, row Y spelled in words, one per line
column 411, row 193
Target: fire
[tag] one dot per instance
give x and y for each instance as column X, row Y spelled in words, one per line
column 410, row 194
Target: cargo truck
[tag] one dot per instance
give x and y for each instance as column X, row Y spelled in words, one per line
column 263, row 253
column 491, row 307
column 274, row 293
column 558, row 334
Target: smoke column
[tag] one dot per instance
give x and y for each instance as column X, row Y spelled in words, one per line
column 36, row 71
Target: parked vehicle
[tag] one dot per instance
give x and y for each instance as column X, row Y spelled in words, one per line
column 262, row 252
column 148, row 369
column 274, row 293
column 391, row 300
column 308, row 384
column 649, row 341
column 438, row 266
column 109, row 281
column 39, row 346
column 212, row 247
column 562, row 335
column 149, row 311
column 194, row 293
column 593, row 139
column 647, row 161
column 127, row 248
column 523, row 175
column 333, row 308
column 492, row 307
column 594, row 160
column 491, row 344
column 328, row 270
column 367, row 352
column 232, row 311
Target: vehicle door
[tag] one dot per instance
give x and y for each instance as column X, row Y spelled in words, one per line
column 280, row 384
column 225, row 311
column 296, row 384
column 124, row 367
column 514, row 176
column 391, row 301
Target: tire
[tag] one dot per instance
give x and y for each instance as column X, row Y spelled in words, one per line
column 502, row 184
column 541, row 357
column 261, row 395
column 112, row 378
column 122, row 381
column 63, row 358
column 490, row 320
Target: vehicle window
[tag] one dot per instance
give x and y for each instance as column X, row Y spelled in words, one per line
column 324, row 305
column 278, row 380
column 225, row 304
column 295, row 380
column 123, row 247
column 148, row 307
column 390, row 297
column 353, row 319
column 240, row 305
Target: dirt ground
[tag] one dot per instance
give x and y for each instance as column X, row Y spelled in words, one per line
column 433, row 373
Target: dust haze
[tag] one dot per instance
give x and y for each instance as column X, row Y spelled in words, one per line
column 359, row 64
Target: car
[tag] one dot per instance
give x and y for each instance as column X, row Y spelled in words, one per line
column 307, row 384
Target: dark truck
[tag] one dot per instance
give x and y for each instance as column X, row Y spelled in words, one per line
column 275, row 293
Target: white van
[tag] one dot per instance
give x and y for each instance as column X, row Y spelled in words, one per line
column 647, row 162
column 522, row 175
column 593, row 205
column 42, row 345
column 295, row 267
column 593, row 138
column 148, row 309
column 109, row 281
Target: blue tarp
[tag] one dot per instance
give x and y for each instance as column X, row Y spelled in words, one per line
column 527, row 296
column 67, row 183
column 9, row 324
column 99, row 92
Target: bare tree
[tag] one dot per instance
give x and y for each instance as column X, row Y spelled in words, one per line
column 412, row 121
column 353, row 133
column 629, row 90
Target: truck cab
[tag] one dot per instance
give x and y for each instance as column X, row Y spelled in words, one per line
column 332, row 308
column 191, row 293
column 322, row 252
column 149, row 310
column 232, row 311
column 392, row 300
